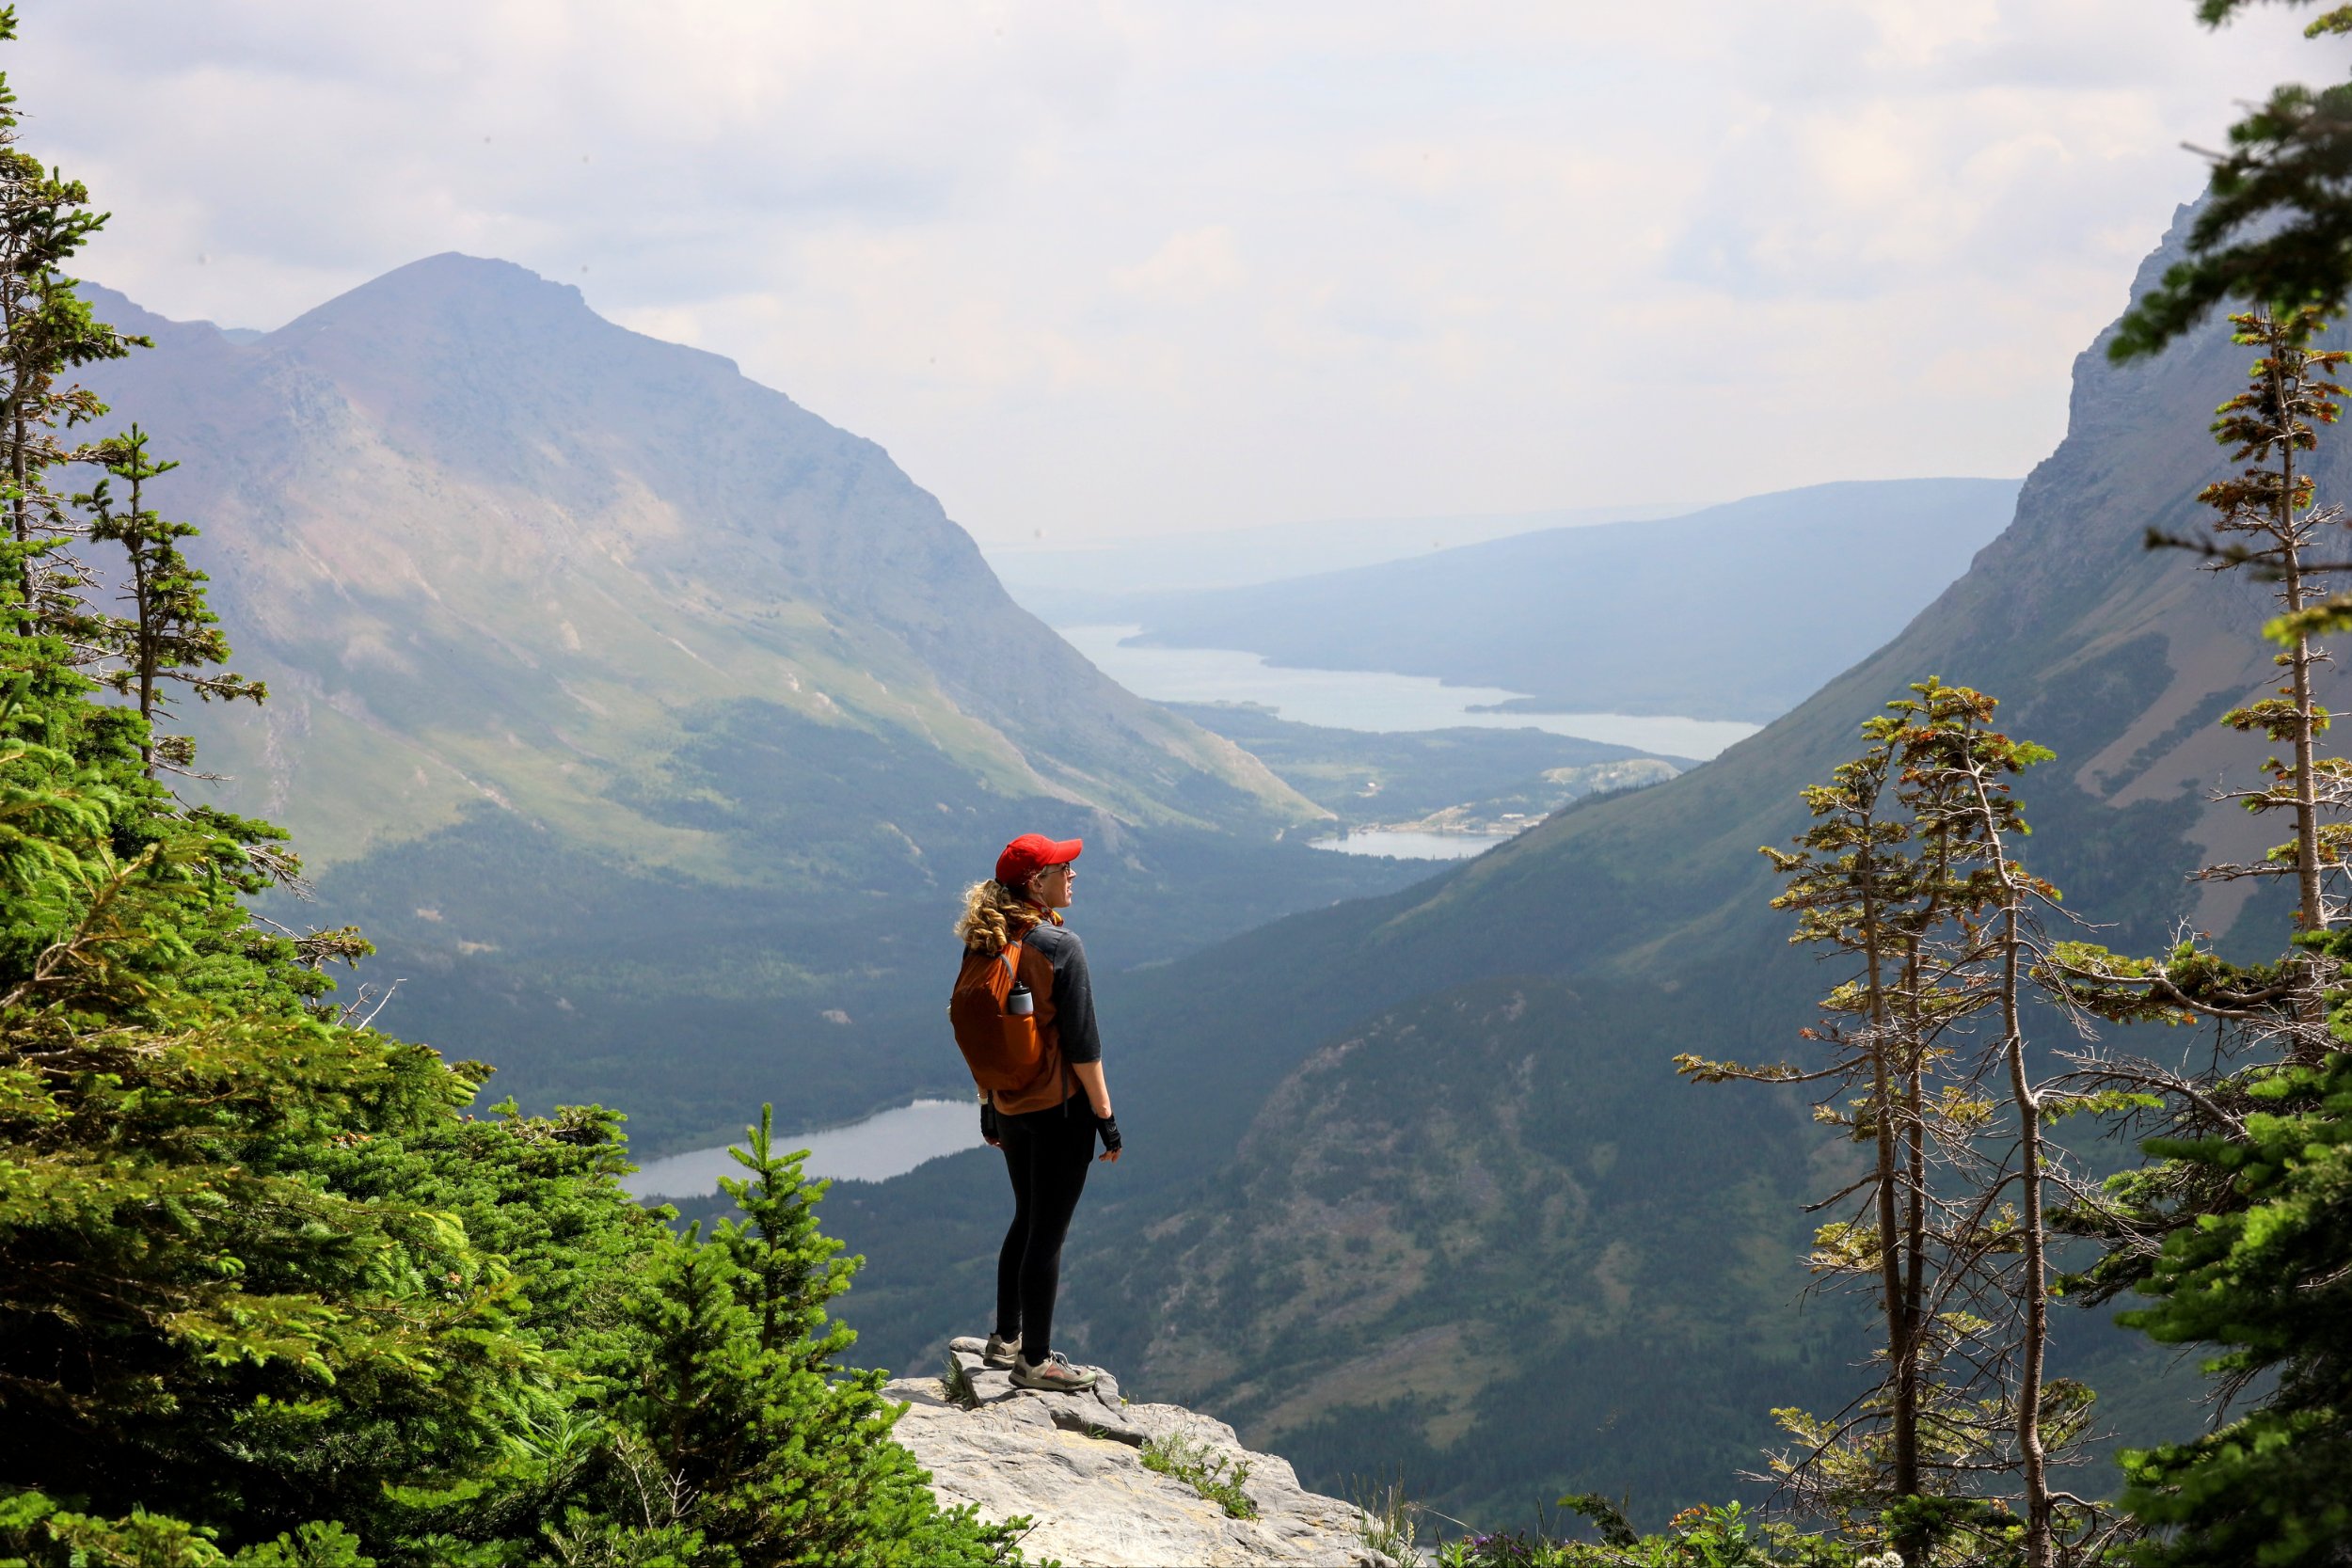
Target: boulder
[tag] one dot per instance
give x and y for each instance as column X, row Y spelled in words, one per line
column 1074, row 1463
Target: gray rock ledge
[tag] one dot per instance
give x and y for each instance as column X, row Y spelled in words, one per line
column 1072, row 1462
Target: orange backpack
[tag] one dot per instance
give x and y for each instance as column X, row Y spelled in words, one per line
column 1002, row 1048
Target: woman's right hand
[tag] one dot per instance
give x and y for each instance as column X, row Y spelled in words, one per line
column 991, row 1133
column 1112, row 1144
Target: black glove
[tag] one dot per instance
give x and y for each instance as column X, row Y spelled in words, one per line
column 1108, row 1127
column 990, row 1129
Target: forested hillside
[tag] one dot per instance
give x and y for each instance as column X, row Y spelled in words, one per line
column 270, row 1296
column 1428, row 1188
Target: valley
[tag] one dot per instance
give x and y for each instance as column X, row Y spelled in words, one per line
column 649, row 795
column 1388, row 1125
column 1377, row 700
column 647, row 787
column 1481, row 782
column 655, row 792
column 1675, row 616
column 1581, row 933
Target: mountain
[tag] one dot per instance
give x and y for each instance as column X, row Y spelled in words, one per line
column 1737, row 611
column 1071, row 580
column 649, row 722
column 1411, row 1180
column 491, row 546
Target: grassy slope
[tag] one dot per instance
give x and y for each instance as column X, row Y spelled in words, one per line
column 1636, row 926
column 488, row 546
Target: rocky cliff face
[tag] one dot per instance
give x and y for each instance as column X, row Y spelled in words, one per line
column 1074, row 1464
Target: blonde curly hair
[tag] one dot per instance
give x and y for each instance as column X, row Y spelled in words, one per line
column 991, row 911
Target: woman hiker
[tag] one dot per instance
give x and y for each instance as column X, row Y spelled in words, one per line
column 1047, row 1129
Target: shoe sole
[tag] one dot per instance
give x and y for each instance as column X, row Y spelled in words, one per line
column 1057, row 1385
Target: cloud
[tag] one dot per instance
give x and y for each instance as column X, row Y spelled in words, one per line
column 1139, row 265
column 1190, row 268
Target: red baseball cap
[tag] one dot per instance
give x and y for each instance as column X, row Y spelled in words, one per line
column 1031, row 853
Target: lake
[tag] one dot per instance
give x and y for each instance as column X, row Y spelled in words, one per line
column 1368, row 700
column 883, row 1146
column 1406, row 845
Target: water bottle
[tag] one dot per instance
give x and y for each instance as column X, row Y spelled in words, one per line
column 1021, row 1002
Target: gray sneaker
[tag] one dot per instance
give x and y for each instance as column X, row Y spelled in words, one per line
column 1055, row 1374
column 1000, row 1352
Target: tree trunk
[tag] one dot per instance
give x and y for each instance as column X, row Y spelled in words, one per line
column 1890, row 1253
column 2036, row 1284
column 1915, row 1252
column 2300, row 663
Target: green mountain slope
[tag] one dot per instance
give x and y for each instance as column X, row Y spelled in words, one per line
column 1699, row 615
column 1413, row 1178
column 489, row 547
column 650, row 723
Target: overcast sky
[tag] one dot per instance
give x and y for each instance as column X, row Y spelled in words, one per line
column 1137, row 267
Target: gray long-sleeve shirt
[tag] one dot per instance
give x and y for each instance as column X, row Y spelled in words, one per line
column 1073, row 991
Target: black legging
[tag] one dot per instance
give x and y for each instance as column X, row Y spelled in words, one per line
column 1047, row 1153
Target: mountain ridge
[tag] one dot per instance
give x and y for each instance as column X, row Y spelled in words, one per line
column 642, row 717
column 610, row 485
column 1687, row 615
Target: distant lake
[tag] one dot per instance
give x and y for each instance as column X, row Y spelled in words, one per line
column 1410, row 846
column 883, row 1146
column 1367, row 700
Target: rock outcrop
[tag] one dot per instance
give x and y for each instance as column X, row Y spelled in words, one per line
column 1074, row 1464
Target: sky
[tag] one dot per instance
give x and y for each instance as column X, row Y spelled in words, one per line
column 1108, row 269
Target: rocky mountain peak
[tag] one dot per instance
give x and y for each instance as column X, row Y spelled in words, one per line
column 459, row 295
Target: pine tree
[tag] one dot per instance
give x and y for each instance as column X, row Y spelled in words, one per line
column 768, row 1457
column 1909, row 868
column 2267, row 521
column 1856, row 888
column 2239, row 1226
column 2274, row 229
column 1965, row 766
column 171, row 636
column 269, row 1295
column 2269, row 1285
column 46, row 331
column 2271, row 503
